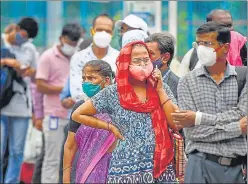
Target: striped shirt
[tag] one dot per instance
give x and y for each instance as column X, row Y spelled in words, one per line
column 219, row 132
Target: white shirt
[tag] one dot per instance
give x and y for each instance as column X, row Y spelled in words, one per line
column 27, row 55
column 78, row 60
column 184, row 66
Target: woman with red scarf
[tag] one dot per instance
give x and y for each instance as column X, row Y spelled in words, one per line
column 140, row 107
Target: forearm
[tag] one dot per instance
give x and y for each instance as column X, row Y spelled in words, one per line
column 89, row 121
column 167, row 105
column 49, row 89
column 215, row 133
column 69, row 154
column 37, row 102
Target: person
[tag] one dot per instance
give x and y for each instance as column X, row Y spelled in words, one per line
column 15, row 116
column 102, row 31
column 237, row 54
column 129, row 23
column 161, row 47
column 89, row 142
column 52, row 73
column 140, row 108
column 213, row 115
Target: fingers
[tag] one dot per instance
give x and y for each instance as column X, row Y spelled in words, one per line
column 157, row 74
column 119, row 136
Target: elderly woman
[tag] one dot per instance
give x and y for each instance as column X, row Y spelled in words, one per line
column 140, row 107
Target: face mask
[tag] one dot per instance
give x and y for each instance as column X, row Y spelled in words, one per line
column 206, row 55
column 19, row 39
column 90, row 89
column 68, row 49
column 157, row 63
column 102, row 39
column 140, row 72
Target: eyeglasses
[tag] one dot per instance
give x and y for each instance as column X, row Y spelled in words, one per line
column 205, row 43
column 145, row 61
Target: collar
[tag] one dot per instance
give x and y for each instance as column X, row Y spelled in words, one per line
column 230, row 70
column 57, row 53
column 108, row 51
column 166, row 72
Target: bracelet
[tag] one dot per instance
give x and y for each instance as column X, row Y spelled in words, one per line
column 67, row 168
column 108, row 126
column 165, row 101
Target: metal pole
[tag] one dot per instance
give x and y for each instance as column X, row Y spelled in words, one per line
column 158, row 16
column 54, row 21
column 173, row 20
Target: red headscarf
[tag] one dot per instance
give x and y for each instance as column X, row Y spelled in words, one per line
column 163, row 153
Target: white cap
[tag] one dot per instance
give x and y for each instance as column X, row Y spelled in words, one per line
column 133, row 35
column 133, row 21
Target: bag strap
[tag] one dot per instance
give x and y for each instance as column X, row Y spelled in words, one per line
column 193, row 59
column 241, row 77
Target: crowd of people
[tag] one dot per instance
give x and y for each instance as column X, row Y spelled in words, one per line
column 110, row 116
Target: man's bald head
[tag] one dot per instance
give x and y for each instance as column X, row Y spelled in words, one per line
column 222, row 17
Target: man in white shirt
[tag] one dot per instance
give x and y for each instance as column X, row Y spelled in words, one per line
column 102, row 31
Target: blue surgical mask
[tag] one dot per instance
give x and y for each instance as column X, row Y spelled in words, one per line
column 158, row 63
column 19, row 39
column 90, row 89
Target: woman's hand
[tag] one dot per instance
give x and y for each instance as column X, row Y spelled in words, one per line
column 159, row 80
column 115, row 131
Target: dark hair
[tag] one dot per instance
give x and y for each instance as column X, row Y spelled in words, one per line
column 101, row 67
column 165, row 43
column 30, row 25
column 102, row 15
column 214, row 12
column 72, row 31
column 223, row 33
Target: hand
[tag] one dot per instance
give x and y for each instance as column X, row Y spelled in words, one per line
column 38, row 124
column 68, row 103
column 115, row 131
column 156, row 74
column 243, row 125
column 183, row 118
column 27, row 72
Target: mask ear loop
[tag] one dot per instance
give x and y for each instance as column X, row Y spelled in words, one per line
column 221, row 45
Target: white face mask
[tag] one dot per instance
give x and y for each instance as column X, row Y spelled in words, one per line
column 102, row 39
column 68, row 49
column 206, row 55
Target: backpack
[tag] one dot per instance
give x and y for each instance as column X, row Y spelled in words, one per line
column 8, row 76
column 241, row 77
column 193, row 60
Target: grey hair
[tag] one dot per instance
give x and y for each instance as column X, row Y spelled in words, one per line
column 165, row 42
column 214, row 12
column 101, row 67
